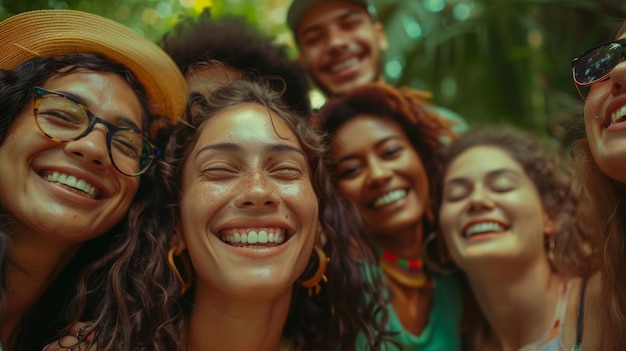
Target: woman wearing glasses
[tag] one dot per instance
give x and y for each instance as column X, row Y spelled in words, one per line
column 244, row 200
column 599, row 152
column 78, row 94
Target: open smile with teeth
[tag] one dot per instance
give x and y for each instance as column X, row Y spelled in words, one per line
column 483, row 228
column 344, row 65
column 390, row 197
column 254, row 238
column 72, row 182
column 619, row 115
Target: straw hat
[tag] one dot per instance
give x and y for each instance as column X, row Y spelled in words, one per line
column 63, row 32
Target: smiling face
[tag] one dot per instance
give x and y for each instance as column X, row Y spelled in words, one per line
column 249, row 214
column 340, row 46
column 381, row 173
column 605, row 122
column 70, row 191
column 491, row 210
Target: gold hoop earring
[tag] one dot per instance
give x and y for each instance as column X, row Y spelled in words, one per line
column 185, row 285
column 435, row 266
column 314, row 281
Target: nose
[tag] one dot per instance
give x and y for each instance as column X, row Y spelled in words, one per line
column 618, row 79
column 480, row 200
column 259, row 194
column 91, row 148
column 378, row 173
column 337, row 40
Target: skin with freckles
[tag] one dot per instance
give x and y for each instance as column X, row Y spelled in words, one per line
column 239, row 202
column 340, row 46
column 246, row 173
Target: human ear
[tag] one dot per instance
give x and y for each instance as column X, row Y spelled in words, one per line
column 381, row 36
column 548, row 225
column 177, row 241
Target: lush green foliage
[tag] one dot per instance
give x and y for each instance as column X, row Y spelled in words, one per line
column 492, row 61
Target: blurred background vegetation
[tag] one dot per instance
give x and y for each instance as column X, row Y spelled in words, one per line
column 491, row 61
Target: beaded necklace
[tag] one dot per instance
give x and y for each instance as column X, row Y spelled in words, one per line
column 404, row 271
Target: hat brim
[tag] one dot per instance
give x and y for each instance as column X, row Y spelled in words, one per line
column 64, row 32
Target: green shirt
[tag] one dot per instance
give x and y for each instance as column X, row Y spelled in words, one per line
column 443, row 332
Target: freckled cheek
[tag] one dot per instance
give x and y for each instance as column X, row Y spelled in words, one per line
column 205, row 199
column 298, row 191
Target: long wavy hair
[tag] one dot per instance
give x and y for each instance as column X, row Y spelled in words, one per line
column 427, row 132
column 603, row 200
column 141, row 302
column 41, row 321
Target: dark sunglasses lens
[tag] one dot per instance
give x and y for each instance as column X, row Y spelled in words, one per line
column 597, row 63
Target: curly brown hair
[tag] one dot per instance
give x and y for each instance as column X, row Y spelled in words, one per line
column 141, row 306
column 552, row 176
column 236, row 43
column 427, row 131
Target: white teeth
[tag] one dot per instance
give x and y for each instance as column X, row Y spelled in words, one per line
column 275, row 236
column 619, row 114
column 483, row 227
column 73, row 182
column 345, row 65
column 253, row 237
column 390, row 197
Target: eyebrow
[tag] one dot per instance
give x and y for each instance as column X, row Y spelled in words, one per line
column 343, row 15
column 376, row 145
column 119, row 120
column 277, row 147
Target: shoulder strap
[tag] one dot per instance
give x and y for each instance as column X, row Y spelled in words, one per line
column 581, row 313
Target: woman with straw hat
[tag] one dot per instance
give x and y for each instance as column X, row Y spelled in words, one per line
column 78, row 96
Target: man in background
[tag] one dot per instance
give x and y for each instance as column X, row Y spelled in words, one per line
column 341, row 46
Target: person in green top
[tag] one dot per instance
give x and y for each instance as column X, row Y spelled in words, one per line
column 387, row 147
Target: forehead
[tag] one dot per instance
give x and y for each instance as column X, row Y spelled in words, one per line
column 105, row 94
column 206, row 80
column 249, row 122
column 362, row 130
column 326, row 12
column 483, row 159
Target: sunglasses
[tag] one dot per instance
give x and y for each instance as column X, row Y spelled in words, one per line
column 596, row 64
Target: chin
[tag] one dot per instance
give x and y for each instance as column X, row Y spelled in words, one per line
column 613, row 166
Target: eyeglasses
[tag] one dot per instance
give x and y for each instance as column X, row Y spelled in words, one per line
column 596, row 64
column 62, row 119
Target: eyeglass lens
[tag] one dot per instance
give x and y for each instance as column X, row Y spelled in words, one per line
column 598, row 63
column 62, row 119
